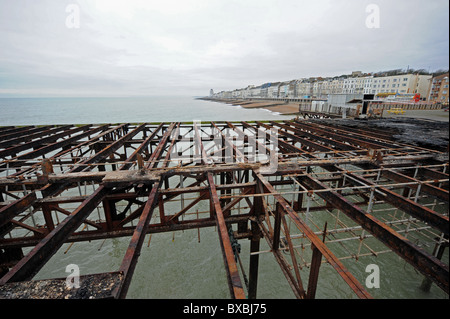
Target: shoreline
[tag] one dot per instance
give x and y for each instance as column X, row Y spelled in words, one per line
column 281, row 107
column 289, row 108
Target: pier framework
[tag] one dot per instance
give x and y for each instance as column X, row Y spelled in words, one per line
column 263, row 181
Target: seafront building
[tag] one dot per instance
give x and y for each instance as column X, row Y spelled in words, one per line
column 439, row 90
column 402, row 84
column 434, row 89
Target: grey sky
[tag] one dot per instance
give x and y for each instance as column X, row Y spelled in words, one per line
column 186, row 47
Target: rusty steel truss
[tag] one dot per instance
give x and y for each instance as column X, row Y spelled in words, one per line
column 262, row 180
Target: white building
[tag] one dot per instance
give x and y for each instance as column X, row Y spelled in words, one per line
column 367, row 86
column 317, row 87
column 272, row 90
column 337, row 86
column 327, row 85
column 401, row 84
column 283, row 90
column 357, row 85
column 255, row 91
column 304, row 88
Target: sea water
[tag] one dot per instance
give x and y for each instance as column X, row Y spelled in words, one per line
column 39, row 111
column 189, row 264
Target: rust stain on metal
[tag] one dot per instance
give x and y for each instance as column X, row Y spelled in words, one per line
column 121, row 173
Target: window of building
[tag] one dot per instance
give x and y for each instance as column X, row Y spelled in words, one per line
column 405, row 79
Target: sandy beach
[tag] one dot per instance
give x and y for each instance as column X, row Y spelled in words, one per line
column 274, row 106
column 284, row 108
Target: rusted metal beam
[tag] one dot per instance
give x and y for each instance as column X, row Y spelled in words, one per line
column 56, row 145
column 297, row 138
column 129, row 161
column 359, row 141
column 384, row 135
column 427, row 264
column 85, row 165
column 277, row 228
column 258, row 212
column 281, row 143
column 236, row 153
column 436, row 220
column 431, row 173
column 316, row 261
column 292, row 252
column 107, row 151
column 198, row 146
column 235, row 201
column 11, row 151
column 426, row 188
column 12, row 210
column 234, row 281
column 284, row 265
column 174, row 139
column 28, row 266
column 132, row 254
column 189, row 206
column 125, row 231
column 301, row 131
column 254, row 261
column 340, row 147
column 66, row 150
column 25, row 134
column 12, row 131
column 425, row 214
column 315, row 240
column 156, row 155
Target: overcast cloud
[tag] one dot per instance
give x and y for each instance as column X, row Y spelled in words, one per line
column 186, row 47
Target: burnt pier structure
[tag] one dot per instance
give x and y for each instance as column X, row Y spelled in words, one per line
column 263, row 181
